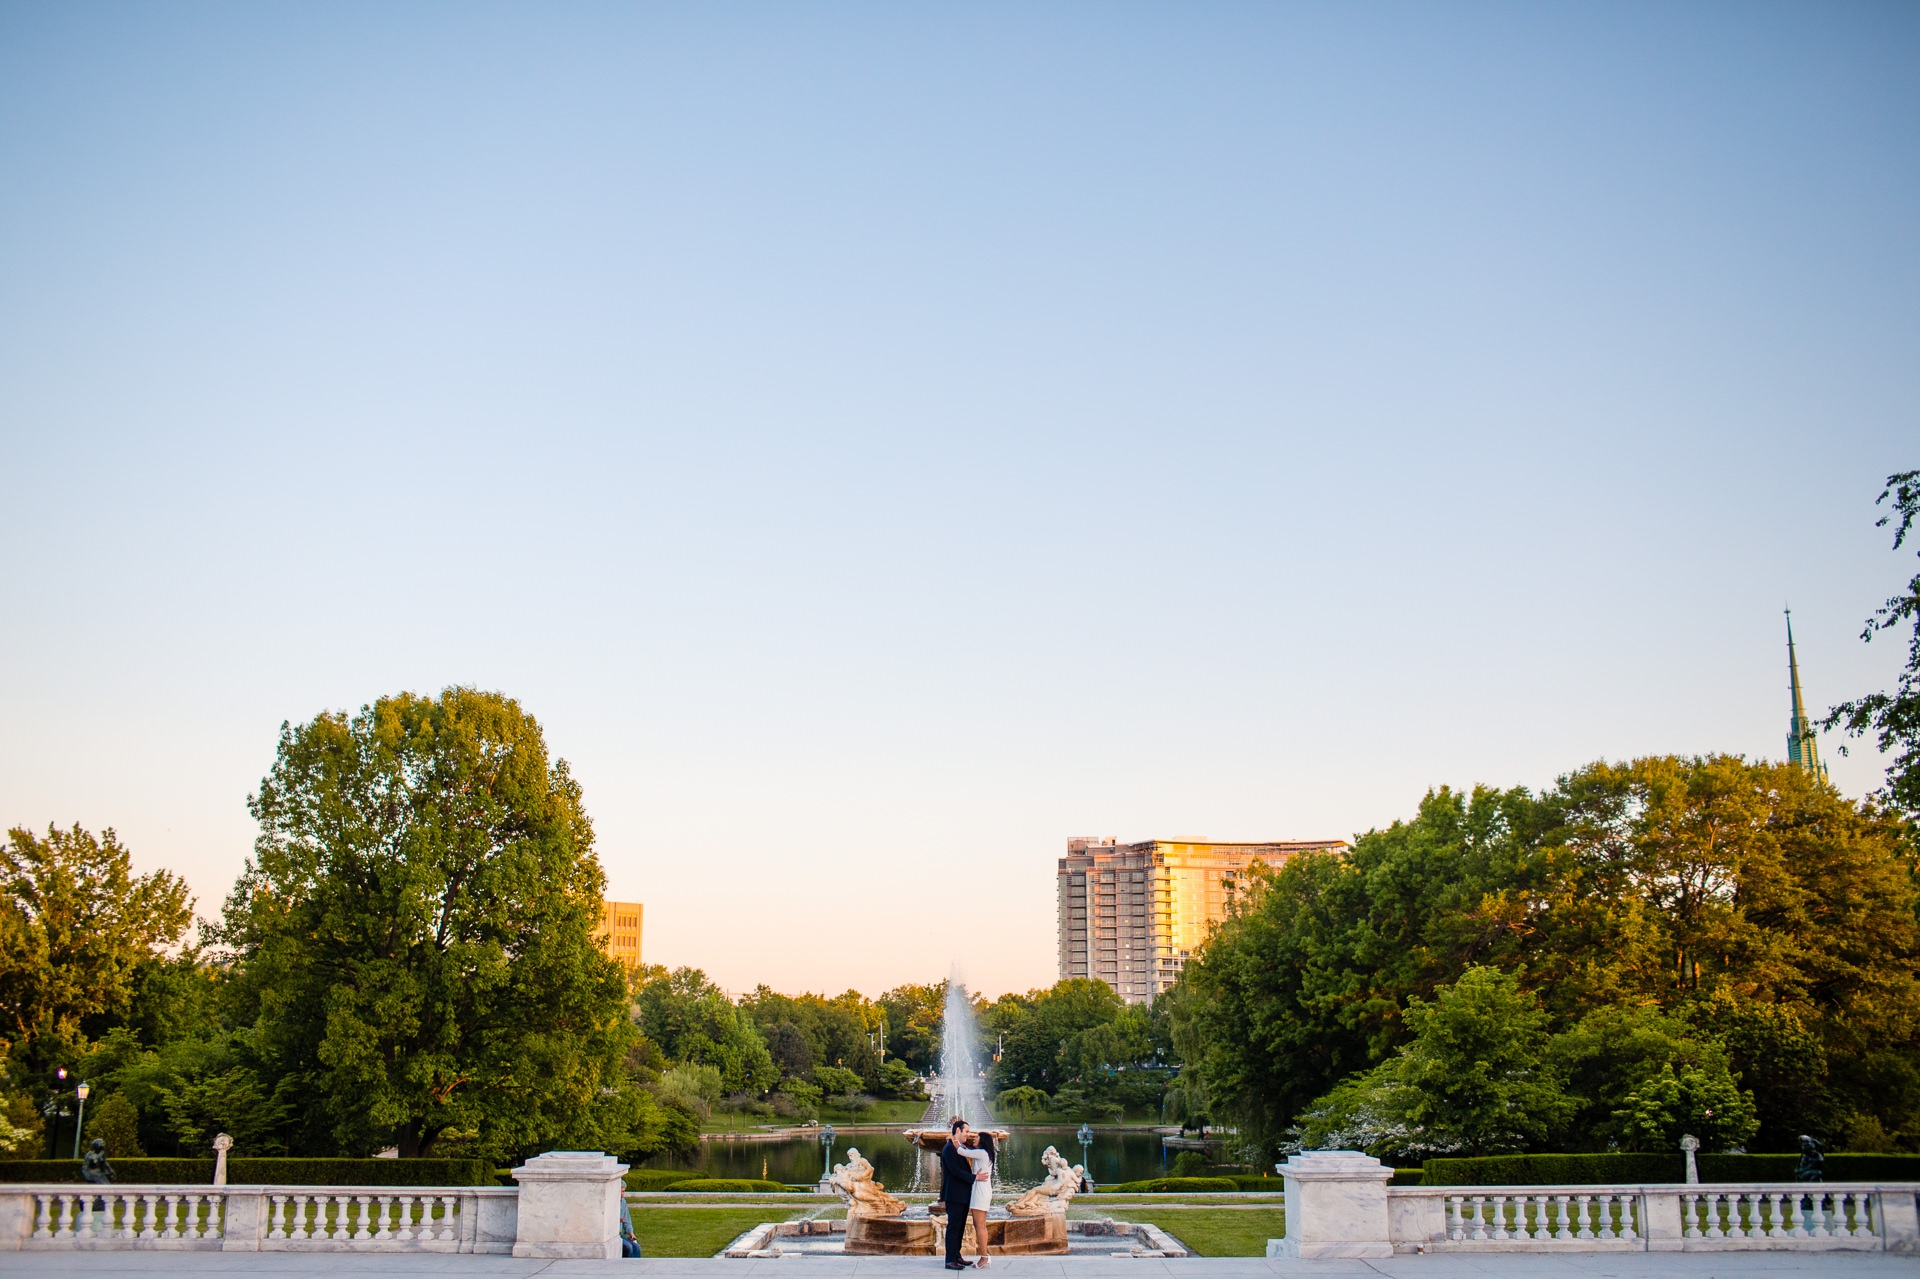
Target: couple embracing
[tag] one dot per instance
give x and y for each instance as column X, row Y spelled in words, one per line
column 966, row 1186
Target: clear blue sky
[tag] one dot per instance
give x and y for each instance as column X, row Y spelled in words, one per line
column 882, row 441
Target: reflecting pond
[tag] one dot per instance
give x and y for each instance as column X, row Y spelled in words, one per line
column 1113, row 1157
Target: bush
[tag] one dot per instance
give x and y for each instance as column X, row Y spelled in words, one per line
column 1175, row 1186
column 727, row 1185
column 1408, row 1177
column 264, row 1172
column 1272, row 1185
column 1615, row 1169
column 1190, row 1163
column 657, row 1178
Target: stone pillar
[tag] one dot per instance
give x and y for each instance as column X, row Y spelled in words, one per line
column 1893, row 1208
column 221, row 1145
column 1661, row 1222
column 569, row 1205
column 1336, row 1206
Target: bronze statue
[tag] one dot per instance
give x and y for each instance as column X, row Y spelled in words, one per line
column 1813, row 1164
column 94, row 1168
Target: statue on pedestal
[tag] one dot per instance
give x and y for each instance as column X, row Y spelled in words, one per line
column 1813, row 1164
column 221, row 1145
column 94, row 1168
column 1053, row 1194
column 865, row 1196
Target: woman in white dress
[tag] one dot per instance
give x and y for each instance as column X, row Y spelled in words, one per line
column 982, row 1158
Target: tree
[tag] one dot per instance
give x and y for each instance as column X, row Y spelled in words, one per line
column 1705, row 1103
column 1894, row 717
column 1473, row 1080
column 693, row 1021
column 77, row 928
column 1763, row 909
column 414, row 932
column 914, row 1018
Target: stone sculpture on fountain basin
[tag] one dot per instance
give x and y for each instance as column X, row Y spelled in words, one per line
column 880, row 1225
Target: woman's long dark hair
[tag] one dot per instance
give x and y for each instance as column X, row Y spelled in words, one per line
column 986, row 1144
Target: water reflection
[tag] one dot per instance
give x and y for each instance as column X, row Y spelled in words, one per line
column 1115, row 1157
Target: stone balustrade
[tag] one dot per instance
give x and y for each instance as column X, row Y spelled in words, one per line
column 1340, row 1205
column 566, row 1205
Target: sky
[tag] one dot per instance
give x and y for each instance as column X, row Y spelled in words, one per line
column 881, row 442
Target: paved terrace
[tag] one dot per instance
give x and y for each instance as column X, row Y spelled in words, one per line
column 1618, row 1265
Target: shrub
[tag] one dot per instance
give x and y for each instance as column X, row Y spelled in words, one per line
column 1175, row 1186
column 1272, row 1185
column 117, row 1123
column 1190, row 1163
column 657, row 1178
column 727, row 1185
column 265, row 1172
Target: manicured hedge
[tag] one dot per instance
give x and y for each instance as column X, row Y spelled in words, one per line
column 1408, row 1177
column 1274, row 1185
column 1628, row 1170
column 726, row 1185
column 657, row 1178
column 1174, row 1186
column 265, row 1172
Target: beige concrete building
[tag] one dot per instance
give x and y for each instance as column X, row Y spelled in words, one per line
column 1130, row 914
column 619, row 931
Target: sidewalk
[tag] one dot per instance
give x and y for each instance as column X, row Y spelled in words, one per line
column 1615, row 1265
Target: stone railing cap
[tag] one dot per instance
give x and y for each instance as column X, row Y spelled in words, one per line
column 570, row 1165
column 1335, row 1165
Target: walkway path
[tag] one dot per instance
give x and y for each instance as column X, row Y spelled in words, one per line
column 1616, row 1265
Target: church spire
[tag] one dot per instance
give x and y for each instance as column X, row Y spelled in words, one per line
column 1802, row 746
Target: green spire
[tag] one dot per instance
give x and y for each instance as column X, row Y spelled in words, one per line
column 1802, row 747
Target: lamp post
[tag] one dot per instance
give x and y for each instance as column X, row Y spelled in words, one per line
column 81, row 1119
column 1086, row 1142
column 827, row 1136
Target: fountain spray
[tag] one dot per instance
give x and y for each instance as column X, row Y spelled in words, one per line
column 960, row 1083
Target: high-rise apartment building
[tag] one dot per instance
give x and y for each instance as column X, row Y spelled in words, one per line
column 619, row 931
column 1130, row 914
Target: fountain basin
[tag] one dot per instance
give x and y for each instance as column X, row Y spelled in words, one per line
column 934, row 1138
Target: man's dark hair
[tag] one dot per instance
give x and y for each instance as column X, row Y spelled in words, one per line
column 955, row 1124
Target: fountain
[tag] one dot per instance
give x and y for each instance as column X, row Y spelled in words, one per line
column 880, row 1225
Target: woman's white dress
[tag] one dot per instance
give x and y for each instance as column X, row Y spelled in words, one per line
column 982, row 1190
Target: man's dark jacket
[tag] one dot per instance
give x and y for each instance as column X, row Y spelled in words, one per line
column 956, row 1177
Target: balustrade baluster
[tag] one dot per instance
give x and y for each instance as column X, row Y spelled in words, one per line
column 1455, row 1231
column 63, row 1216
column 362, row 1232
column 85, row 1229
column 1629, row 1228
column 1823, row 1216
column 1712, row 1206
column 277, row 1218
column 1479, row 1217
column 1583, row 1206
column 149, row 1221
column 1566, row 1208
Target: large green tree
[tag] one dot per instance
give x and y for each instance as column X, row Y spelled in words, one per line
column 78, row 932
column 414, row 934
column 1894, row 717
column 1749, row 900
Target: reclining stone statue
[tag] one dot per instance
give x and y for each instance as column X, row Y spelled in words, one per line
column 1053, row 1194
column 865, row 1196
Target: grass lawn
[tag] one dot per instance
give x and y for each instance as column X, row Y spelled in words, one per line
column 880, row 1112
column 696, row 1232
column 1214, row 1232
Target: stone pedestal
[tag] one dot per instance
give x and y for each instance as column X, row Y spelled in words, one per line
column 569, row 1205
column 1336, row 1206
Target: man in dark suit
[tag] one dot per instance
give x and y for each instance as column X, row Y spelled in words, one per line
column 956, row 1190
